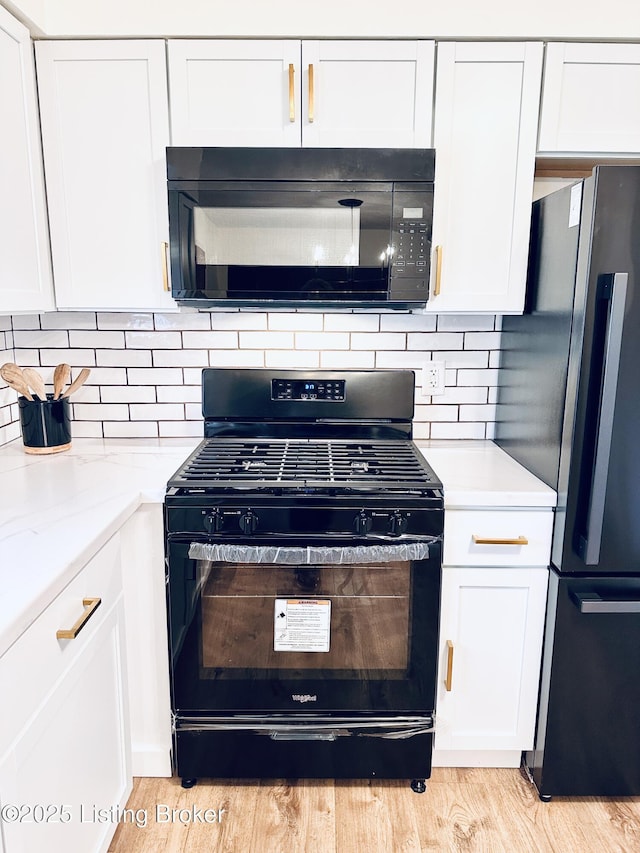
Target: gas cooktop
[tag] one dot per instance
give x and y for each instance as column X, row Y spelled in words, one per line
column 299, row 464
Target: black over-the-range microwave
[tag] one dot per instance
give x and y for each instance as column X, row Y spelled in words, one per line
column 300, row 226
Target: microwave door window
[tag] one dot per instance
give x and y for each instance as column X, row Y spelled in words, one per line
column 336, row 249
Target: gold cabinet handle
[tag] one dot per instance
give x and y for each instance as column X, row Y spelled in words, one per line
column 488, row 540
column 311, row 95
column 165, row 266
column 448, row 681
column 292, row 101
column 436, row 287
column 90, row 605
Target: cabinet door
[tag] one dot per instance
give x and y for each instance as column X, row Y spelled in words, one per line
column 485, row 125
column 25, row 267
column 367, row 93
column 590, row 99
column 105, row 128
column 235, row 92
column 492, row 623
column 73, row 757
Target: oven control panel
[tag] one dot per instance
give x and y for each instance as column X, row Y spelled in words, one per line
column 308, row 389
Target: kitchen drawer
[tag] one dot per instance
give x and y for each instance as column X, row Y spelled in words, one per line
column 34, row 664
column 520, row 537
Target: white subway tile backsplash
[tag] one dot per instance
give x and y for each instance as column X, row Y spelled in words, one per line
column 379, row 341
column 407, row 323
column 130, row 429
column 86, row 429
column 340, row 360
column 292, row 358
column 296, row 322
column 178, row 393
column 40, row 338
column 236, row 358
column 147, row 368
column 237, row 320
column 68, row 320
column 100, row 412
column 74, row 357
column 466, row 323
column 96, row 339
column 266, row 340
column 435, row 341
column 210, row 340
column 351, row 322
column 181, row 358
column 107, row 320
column 322, row 340
column 156, row 411
column 153, row 340
column 123, row 358
column 129, row 393
column 186, row 320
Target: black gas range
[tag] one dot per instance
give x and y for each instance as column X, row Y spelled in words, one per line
column 304, row 523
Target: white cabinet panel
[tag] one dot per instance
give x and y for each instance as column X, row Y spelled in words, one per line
column 485, row 126
column 292, row 93
column 497, row 537
column 368, row 94
column 235, row 92
column 25, row 266
column 105, row 127
column 590, row 99
column 491, row 625
column 65, row 742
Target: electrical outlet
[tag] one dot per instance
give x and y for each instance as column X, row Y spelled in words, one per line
column 433, row 378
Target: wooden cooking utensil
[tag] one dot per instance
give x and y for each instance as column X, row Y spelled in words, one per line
column 35, row 382
column 12, row 375
column 80, row 379
column 60, row 378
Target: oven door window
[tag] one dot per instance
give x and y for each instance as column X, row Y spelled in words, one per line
column 248, row 635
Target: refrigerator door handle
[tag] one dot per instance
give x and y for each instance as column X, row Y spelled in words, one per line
column 591, row 602
column 615, row 285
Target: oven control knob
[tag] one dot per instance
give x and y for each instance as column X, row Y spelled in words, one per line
column 248, row 521
column 362, row 522
column 397, row 524
column 214, row 522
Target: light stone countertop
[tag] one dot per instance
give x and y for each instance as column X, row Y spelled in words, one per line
column 57, row 511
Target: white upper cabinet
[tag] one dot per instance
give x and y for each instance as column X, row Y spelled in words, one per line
column 105, row 127
column 25, row 266
column 292, row 93
column 590, row 99
column 485, row 130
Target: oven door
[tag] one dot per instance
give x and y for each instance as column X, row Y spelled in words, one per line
column 303, row 628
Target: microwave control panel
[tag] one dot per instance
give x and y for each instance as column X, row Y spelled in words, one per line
column 308, row 389
column 412, row 248
column 412, row 216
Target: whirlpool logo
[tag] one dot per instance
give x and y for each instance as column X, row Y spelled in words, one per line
column 303, row 697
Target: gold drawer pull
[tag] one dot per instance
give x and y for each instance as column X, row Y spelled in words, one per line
column 91, row 605
column 449, row 677
column 311, row 96
column 292, row 102
column 165, row 266
column 488, row 540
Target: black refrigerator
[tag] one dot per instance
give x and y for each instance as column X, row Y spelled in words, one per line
column 569, row 411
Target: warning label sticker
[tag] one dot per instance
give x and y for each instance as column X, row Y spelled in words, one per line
column 302, row 625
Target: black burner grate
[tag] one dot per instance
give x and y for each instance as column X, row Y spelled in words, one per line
column 304, row 463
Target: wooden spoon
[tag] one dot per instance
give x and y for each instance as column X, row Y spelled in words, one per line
column 80, row 379
column 60, row 378
column 12, row 375
column 35, row 382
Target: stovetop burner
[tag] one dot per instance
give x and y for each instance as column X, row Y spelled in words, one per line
column 304, row 464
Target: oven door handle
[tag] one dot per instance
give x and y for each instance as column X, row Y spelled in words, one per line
column 316, row 555
column 310, row 734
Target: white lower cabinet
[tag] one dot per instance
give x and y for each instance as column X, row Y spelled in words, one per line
column 64, row 747
column 491, row 629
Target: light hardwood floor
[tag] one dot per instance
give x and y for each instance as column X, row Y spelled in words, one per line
column 474, row 810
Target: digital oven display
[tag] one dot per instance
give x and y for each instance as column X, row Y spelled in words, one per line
column 308, row 389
